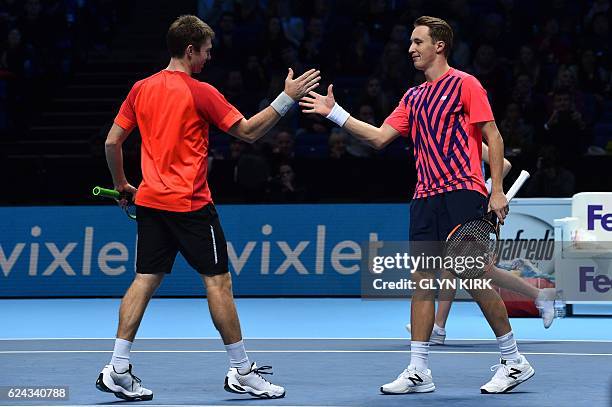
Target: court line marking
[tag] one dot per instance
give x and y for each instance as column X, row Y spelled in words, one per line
column 306, row 338
column 18, row 352
column 166, row 405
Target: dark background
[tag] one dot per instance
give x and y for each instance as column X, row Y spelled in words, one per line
column 66, row 65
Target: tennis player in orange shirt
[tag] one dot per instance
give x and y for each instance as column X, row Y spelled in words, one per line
column 174, row 208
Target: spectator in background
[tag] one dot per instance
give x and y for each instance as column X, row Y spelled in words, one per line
column 550, row 44
column 598, row 37
column 227, row 48
column 592, row 77
column 489, row 71
column 211, row 10
column 292, row 19
column 282, row 149
column 236, row 93
column 14, row 55
column 491, row 33
column 290, row 57
column 236, row 148
column 9, row 12
column 550, row 179
column 527, row 64
column 233, row 88
column 462, row 13
column 284, row 188
column 254, row 75
column 374, row 96
column 272, row 43
column 337, row 145
column 565, row 128
column 461, row 55
column 252, row 174
column 35, row 26
column 584, row 103
column 400, row 36
column 377, row 18
column 355, row 58
column 394, row 68
column 531, row 103
column 356, row 147
column 598, row 7
column 312, row 51
column 518, row 135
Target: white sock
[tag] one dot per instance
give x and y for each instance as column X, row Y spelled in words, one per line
column 419, row 355
column 439, row 330
column 508, row 347
column 546, row 294
column 238, row 357
column 121, row 355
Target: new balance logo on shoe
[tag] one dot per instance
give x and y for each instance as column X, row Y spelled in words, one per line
column 514, row 372
column 416, row 379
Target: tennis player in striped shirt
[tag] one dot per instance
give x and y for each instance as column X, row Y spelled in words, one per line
column 446, row 118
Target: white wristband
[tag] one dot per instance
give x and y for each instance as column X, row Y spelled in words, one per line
column 282, row 103
column 489, row 185
column 338, row 115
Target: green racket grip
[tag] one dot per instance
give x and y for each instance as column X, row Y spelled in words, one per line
column 106, row 193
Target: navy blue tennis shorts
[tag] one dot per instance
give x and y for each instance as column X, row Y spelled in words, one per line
column 432, row 218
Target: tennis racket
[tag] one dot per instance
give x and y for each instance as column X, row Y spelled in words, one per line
column 130, row 209
column 477, row 239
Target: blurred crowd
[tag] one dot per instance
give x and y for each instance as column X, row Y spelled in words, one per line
column 42, row 43
column 545, row 65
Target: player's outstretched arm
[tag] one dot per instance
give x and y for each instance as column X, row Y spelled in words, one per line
column 252, row 129
column 377, row 137
column 114, row 158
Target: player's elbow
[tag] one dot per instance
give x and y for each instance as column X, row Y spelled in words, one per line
column 112, row 142
column 244, row 131
column 507, row 165
column 249, row 136
column 378, row 144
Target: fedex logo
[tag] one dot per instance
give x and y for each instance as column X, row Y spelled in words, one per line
column 594, row 214
column 600, row 283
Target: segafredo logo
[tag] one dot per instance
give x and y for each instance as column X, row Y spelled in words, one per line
column 530, row 249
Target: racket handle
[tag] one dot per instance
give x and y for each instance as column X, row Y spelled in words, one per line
column 106, row 193
column 523, row 176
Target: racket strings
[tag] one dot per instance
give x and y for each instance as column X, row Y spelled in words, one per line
column 474, row 239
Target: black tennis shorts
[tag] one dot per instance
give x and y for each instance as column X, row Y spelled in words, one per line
column 197, row 235
column 433, row 218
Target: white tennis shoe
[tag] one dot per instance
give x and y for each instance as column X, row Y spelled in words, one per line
column 124, row 385
column 253, row 383
column 508, row 375
column 545, row 303
column 410, row 380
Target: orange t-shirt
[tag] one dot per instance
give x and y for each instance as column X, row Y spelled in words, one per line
column 173, row 111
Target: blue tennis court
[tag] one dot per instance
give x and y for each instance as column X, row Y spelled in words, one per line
column 326, row 352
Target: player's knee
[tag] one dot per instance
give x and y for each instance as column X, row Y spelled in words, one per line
column 149, row 282
column 221, row 283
